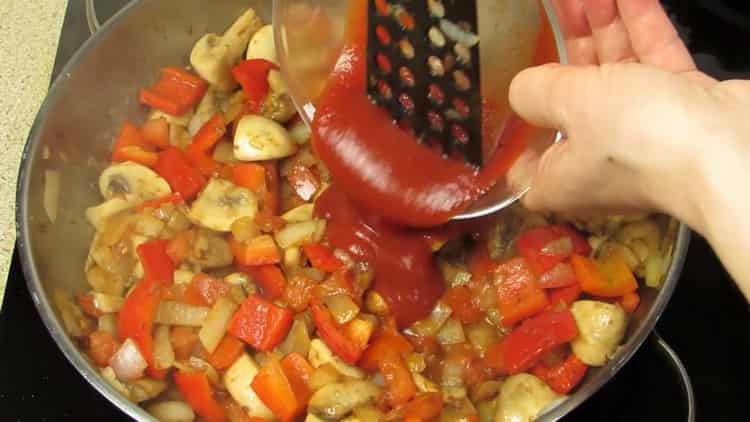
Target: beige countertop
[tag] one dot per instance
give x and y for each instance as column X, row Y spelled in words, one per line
column 29, row 32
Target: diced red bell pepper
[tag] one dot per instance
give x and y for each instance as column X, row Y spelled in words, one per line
column 202, row 161
column 272, row 197
column 183, row 340
column 130, row 135
column 87, row 305
column 197, row 391
column 227, row 352
column 198, row 152
column 179, row 247
column 424, row 407
column 273, row 388
column 339, row 282
column 250, row 176
column 208, row 288
column 298, row 292
column 157, row 265
column 400, row 387
column 526, row 344
column 176, row 92
column 564, row 377
column 630, row 302
column 561, row 275
column 610, row 277
column 252, row 75
column 136, row 317
column 546, row 246
column 260, row 323
column 386, row 341
column 270, row 278
column 298, row 372
column 464, row 308
column 135, row 154
column 102, row 345
column 329, row 331
column 480, row 263
column 518, row 295
column 564, row 295
column 156, row 132
column 260, row 250
column 182, row 177
column 322, row 257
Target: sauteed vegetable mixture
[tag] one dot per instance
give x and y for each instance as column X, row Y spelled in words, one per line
column 232, row 281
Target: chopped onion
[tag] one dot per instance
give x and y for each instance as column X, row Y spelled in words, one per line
column 342, row 307
column 177, row 313
column 559, row 247
column 416, row 362
column 146, row 389
column 128, row 362
column 163, row 351
column 172, row 411
column 108, row 323
column 297, row 234
column 454, row 274
column 323, row 376
column 485, row 391
column 292, row 257
column 561, row 273
column 51, row 194
column 216, row 323
column 298, row 339
column 109, row 375
column 107, row 304
column 451, row 333
column 300, row 214
column 183, row 276
column 300, row 132
column 237, row 279
column 430, row 326
column 481, row 336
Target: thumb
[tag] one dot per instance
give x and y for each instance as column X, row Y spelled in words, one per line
column 544, row 95
column 548, row 191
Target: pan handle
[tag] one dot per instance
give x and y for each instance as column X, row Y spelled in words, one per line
column 91, row 18
column 687, row 386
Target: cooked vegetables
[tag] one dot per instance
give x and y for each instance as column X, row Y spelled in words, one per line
column 226, row 287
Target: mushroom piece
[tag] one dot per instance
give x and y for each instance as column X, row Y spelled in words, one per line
column 222, row 203
column 319, row 355
column 207, row 108
column 258, row 138
column 334, row 401
column 210, row 250
column 262, row 46
column 172, row 411
column 99, row 214
column 237, row 381
column 214, row 55
column 132, row 182
column 601, row 328
column 522, row 398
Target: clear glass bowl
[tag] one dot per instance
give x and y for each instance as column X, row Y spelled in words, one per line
column 309, row 36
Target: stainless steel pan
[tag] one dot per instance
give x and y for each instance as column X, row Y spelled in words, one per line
column 73, row 133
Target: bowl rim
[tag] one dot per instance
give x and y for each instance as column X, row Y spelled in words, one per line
column 92, row 376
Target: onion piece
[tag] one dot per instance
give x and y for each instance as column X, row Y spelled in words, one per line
column 297, row 234
column 216, row 323
column 108, row 323
column 107, row 304
column 51, row 194
column 128, row 362
column 559, row 247
column 177, row 313
column 342, row 307
column 163, row 351
column 298, row 339
column 561, row 274
column 452, row 332
column 146, row 389
column 172, row 411
column 430, row 326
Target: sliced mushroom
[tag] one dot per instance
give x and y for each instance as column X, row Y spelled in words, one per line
column 277, row 83
column 237, row 381
column 258, row 138
column 214, row 55
column 132, row 182
column 99, row 214
column 182, row 120
column 601, row 328
column 279, row 107
column 172, row 411
column 220, row 204
column 262, row 46
column 334, row 401
column 522, row 398
column 210, row 250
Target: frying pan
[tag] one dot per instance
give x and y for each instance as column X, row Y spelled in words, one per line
column 73, row 133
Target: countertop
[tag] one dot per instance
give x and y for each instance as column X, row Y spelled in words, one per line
column 29, row 32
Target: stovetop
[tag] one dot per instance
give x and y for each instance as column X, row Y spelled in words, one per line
column 706, row 322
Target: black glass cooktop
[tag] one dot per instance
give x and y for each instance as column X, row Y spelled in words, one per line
column 706, row 322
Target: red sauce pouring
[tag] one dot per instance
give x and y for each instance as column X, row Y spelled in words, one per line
column 383, row 176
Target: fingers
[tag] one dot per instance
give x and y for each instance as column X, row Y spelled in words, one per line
column 550, row 188
column 575, row 27
column 654, row 39
column 611, row 38
column 545, row 95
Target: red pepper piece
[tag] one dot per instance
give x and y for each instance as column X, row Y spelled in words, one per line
column 322, row 257
column 260, row 323
column 400, row 387
column 564, row 295
column 343, row 346
column 461, row 302
column 182, row 177
column 523, row 347
column 298, row 372
column 610, row 277
column 537, row 245
column 157, row 265
column 273, row 388
column 261, row 250
column 174, row 198
column 136, row 317
column 564, row 377
column 176, row 92
column 252, row 75
column 271, row 280
column 386, row 341
column 197, row 391
column 518, row 295
column 199, row 150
